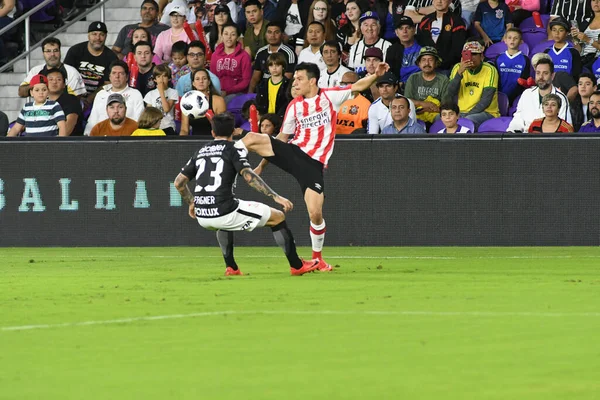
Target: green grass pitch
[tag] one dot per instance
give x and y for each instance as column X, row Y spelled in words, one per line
column 388, row 323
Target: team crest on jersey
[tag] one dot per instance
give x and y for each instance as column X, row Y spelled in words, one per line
column 448, row 28
column 471, row 92
column 499, row 14
column 400, row 9
column 354, row 110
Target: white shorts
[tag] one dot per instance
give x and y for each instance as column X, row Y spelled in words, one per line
column 248, row 216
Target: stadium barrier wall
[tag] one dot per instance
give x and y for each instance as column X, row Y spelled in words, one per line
column 401, row 191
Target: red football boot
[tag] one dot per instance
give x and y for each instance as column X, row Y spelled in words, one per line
column 323, row 266
column 307, row 266
column 230, row 271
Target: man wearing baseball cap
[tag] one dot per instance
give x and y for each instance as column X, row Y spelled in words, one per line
column 370, row 28
column 373, row 57
column 117, row 123
column 475, row 82
column 565, row 57
column 91, row 59
column 379, row 112
column 402, row 56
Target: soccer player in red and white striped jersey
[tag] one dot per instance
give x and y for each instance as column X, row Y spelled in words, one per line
column 310, row 120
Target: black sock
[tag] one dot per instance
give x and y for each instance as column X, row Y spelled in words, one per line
column 225, row 239
column 284, row 238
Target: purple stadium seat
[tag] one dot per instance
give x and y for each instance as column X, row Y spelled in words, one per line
column 235, row 106
column 533, row 38
column 498, row 48
column 495, row 125
column 246, row 126
column 528, row 22
column 513, row 107
column 541, row 46
column 439, row 125
column 503, row 104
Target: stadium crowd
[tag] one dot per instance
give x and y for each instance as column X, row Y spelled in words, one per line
column 455, row 67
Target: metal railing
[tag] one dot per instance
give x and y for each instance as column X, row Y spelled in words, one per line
column 25, row 17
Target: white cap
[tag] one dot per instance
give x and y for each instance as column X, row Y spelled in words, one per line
column 179, row 10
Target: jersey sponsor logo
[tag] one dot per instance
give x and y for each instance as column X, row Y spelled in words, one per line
column 345, row 122
column 314, row 120
column 228, row 64
column 435, row 31
column 561, row 66
column 469, row 84
column 207, row 212
column 202, row 200
column 216, row 149
column 564, row 60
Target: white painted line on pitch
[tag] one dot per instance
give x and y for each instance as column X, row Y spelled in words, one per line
column 309, row 313
column 89, row 257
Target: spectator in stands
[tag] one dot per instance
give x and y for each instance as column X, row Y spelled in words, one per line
column 530, row 105
column 268, row 8
column 585, row 36
column 163, row 98
column 492, row 19
column 551, row 122
column 142, row 35
column 571, row 10
column 275, row 45
column 563, row 81
column 332, row 75
column 565, row 58
column 468, row 10
column 419, row 9
column 315, row 37
column 148, row 13
column 3, row 123
column 402, row 123
column 580, row 111
column 7, row 12
column 196, row 58
column 149, row 123
column 143, row 57
column 254, row 37
column 165, row 7
column 69, row 103
column 52, row 57
column 350, row 33
column 475, row 82
column 117, row 123
column 92, row 59
column 379, row 112
column 165, row 40
column 513, row 66
column 178, row 64
column 271, row 92
column 373, row 57
column 449, row 113
column 292, row 15
column 390, row 12
column 232, row 64
column 201, row 126
column 320, row 11
column 40, row 117
column 427, row 88
column 447, row 36
column 353, row 115
column 370, row 28
column 119, row 77
column 214, row 34
column 593, row 125
column 270, row 124
column 402, row 56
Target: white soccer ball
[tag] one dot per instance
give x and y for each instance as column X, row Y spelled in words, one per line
column 194, row 104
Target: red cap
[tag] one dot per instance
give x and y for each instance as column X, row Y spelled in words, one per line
column 38, row 79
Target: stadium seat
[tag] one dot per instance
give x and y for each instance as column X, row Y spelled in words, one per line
column 528, row 23
column 503, row 104
column 235, row 106
column 495, row 125
column 498, row 48
column 541, row 46
column 513, row 107
column 533, row 38
column 439, row 125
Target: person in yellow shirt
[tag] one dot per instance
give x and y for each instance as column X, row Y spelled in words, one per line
column 475, row 82
column 149, row 123
column 354, row 113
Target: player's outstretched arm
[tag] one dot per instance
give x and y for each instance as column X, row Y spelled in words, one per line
column 366, row 82
column 256, row 182
column 181, row 185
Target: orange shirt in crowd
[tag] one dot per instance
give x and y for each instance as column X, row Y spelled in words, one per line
column 104, row 129
column 352, row 114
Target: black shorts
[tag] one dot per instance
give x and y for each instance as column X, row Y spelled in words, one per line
column 290, row 158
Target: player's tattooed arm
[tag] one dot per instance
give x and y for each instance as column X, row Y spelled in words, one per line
column 181, row 185
column 256, row 182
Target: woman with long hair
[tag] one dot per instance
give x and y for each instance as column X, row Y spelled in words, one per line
column 222, row 17
column 201, row 126
column 350, row 33
column 231, row 63
column 319, row 11
column 142, row 34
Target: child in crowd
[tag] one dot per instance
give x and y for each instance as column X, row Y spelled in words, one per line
column 270, row 124
column 512, row 66
column 246, row 114
column 41, row 117
column 178, row 64
column 141, row 34
column 271, row 92
column 492, row 19
column 449, row 113
column 564, row 56
column 163, row 97
column 149, row 123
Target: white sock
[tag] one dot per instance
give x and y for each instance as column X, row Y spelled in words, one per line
column 317, row 238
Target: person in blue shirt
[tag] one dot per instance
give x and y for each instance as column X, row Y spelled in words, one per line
column 565, row 57
column 401, row 122
column 402, row 56
column 492, row 19
column 512, row 65
column 593, row 125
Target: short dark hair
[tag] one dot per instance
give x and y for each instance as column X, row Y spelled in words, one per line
column 246, row 108
column 596, row 93
column 275, row 24
column 180, row 47
column 253, row 3
column 118, row 63
column 332, row 43
column 223, row 124
column 451, row 106
column 277, row 59
column 316, row 23
column 399, row 96
column 312, row 70
column 140, row 44
column 196, row 43
column 273, row 118
column 59, row 70
column 546, row 62
column 231, row 25
column 51, row 40
column 590, row 76
column 154, row 3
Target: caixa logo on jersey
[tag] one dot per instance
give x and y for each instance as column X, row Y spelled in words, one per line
column 33, row 199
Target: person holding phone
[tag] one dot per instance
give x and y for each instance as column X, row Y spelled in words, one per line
column 475, row 82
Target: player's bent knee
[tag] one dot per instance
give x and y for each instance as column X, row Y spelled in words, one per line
column 276, row 217
column 252, row 140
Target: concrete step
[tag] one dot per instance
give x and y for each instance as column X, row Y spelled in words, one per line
column 11, row 78
column 8, row 91
column 12, row 115
column 12, row 104
column 120, row 4
column 112, row 26
column 116, row 14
